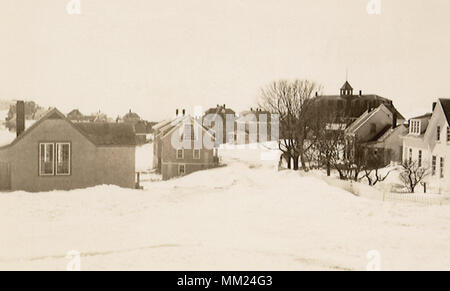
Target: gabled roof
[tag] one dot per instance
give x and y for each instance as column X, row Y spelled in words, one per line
column 219, row 110
column 364, row 118
column 167, row 125
column 346, row 86
column 186, row 120
column 446, row 107
column 160, row 124
column 257, row 113
column 100, row 134
column 423, row 116
column 383, row 132
column 386, row 133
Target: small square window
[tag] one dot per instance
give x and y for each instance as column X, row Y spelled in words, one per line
column 180, row 154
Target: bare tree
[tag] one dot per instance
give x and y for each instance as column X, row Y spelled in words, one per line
column 412, row 175
column 375, row 160
column 327, row 134
column 291, row 101
column 351, row 161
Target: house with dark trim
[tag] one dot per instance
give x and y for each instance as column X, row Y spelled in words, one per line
column 57, row 154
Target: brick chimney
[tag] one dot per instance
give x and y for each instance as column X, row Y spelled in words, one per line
column 184, row 112
column 20, row 117
column 434, row 106
column 176, row 112
column 394, row 120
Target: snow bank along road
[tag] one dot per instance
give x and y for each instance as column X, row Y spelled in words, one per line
column 245, row 216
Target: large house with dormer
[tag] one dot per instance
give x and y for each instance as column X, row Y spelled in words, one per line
column 349, row 106
column 428, row 143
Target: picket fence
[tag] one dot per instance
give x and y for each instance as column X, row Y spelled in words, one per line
column 369, row 192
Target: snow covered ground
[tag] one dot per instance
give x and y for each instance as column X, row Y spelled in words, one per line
column 244, row 216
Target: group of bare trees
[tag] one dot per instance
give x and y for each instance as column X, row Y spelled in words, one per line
column 312, row 135
column 292, row 101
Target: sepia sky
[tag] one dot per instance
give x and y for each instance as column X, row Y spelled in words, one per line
column 154, row 56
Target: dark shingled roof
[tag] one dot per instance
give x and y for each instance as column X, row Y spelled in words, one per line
column 131, row 115
column 446, row 106
column 140, row 128
column 219, row 110
column 108, row 134
column 423, row 116
column 381, row 133
column 367, row 97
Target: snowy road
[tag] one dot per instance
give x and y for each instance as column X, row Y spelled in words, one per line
column 245, row 216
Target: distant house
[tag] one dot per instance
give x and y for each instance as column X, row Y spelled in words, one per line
column 141, row 130
column 380, row 129
column 253, row 126
column 173, row 161
column 76, row 116
column 158, row 131
column 100, row 117
column 55, row 153
column 428, row 143
column 227, row 116
column 349, row 106
column 131, row 117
